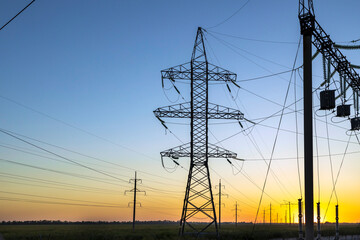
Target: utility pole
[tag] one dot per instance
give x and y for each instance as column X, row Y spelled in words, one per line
column 220, row 194
column 264, row 217
column 277, row 217
column 236, row 214
column 285, row 217
column 270, row 213
column 288, row 204
column 289, row 213
column 134, row 190
column 198, row 200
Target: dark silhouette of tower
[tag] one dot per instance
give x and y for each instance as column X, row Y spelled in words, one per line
column 198, row 201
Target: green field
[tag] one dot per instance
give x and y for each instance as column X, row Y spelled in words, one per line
column 154, row 231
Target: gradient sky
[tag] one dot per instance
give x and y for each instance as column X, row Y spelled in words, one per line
column 85, row 76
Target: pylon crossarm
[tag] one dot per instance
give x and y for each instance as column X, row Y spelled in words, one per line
column 184, row 151
column 183, row 72
column 183, row 110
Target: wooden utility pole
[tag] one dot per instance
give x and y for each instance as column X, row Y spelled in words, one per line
column 134, row 190
column 220, row 194
column 236, row 214
column 264, row 217
column 288, row 203
column 270, row 213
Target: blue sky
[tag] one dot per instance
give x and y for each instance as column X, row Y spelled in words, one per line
column 96, row 65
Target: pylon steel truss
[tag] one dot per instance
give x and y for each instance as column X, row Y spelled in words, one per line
column 198, row 201
column 326, row 46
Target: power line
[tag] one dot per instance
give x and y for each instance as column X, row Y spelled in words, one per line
column 54, row 183
column 275, row 140
column 337, row 176
column 17, row 15
column 253, row 141
column 84, row 155
column 265, row 76
column 232, row 46
column 58, row 198
column 56, row 203
column 46, row 157
column 57, row 155
column 225, row 20
column 252, row 39
column 73, row 126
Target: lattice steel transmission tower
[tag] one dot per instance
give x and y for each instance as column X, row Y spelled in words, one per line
column 198, row 201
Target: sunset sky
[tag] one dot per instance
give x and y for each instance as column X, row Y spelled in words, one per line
column 81, row 79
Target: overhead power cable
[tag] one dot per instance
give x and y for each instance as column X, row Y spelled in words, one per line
column 232, row 46
column 85, row 155
column 56, row 183
column 225, row 20
column 59, row 198
column 253, row 141
column 17, row 15
column 276, row 137
column 73, row 126
column 61, row 172
column 337, row 177
column 330, row 159
column 265, row 76
column 252, row 39
column 59, row 156
column 56, row 203
column 55, row 159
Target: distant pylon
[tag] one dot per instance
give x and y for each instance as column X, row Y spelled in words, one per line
column 134, row 190
column 198, row 201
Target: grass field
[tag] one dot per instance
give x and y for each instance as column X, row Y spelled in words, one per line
column 154, row 231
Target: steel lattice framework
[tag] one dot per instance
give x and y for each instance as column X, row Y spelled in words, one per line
column 326, row 46
column 198, row 201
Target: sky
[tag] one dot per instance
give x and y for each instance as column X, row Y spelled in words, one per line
column 80, row 79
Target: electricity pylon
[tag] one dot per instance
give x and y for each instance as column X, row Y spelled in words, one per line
column 198, row 201
column 134, row 190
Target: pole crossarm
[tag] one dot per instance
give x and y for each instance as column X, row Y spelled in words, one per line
column 183, row 110
column 185, row 151
column 183, row 72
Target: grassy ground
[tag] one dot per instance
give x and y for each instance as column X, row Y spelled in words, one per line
column 154, row 231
